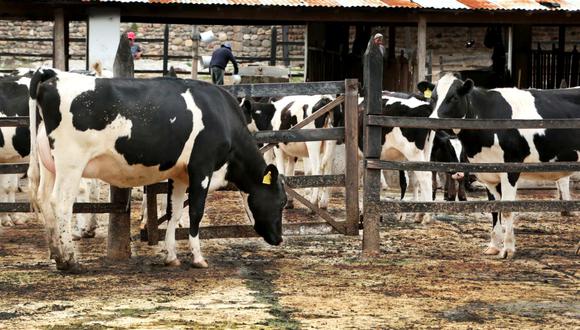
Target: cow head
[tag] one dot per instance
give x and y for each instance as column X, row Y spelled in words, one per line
column 451, row 97
column 264, row 205
column 258, row 114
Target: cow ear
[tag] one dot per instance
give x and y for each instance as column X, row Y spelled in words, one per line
column 465, row 88
column 425, row 85
column 270, row 175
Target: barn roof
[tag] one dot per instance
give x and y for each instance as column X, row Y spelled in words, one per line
column 499, row 5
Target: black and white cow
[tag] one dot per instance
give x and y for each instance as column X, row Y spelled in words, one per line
column 134, row 132
column 454, row 98
column 447, row 148
column 283, row 114
column 15, row 147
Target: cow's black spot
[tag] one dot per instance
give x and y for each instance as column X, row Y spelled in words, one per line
column 49, row 99
column 287, row 120
column 1, row 139
column 21, row 141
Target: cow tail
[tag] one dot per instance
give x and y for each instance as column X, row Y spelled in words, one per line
column 33, row 172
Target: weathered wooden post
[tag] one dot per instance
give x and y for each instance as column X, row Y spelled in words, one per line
column 119, row 237
column 60, row 40
column 373, row 73
column 351, row 144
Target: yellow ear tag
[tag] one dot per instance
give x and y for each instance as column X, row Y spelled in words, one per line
column 267, row 178
column 427, row 93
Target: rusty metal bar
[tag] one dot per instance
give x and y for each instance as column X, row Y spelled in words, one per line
column 244, row 231
column 474, row 167
column 479, row 124
column 397, row 206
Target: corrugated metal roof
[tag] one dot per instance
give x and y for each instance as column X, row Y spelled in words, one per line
column 569, row 5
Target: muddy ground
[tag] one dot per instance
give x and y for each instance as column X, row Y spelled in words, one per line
column 426, row 277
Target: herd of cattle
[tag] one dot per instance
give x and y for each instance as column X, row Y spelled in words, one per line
column 135, row 132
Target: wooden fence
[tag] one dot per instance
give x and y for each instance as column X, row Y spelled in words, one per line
column 349, row 96
column 374, row 121
column 555, row 68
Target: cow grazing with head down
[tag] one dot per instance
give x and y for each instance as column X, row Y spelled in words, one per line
column 454, row 98
column 134, row 132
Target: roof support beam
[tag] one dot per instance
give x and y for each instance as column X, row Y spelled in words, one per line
column 421, row 48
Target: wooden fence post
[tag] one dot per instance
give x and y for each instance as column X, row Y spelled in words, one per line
column 373, row 72
column 119, row 237
column 351, row 144
column 60, row 42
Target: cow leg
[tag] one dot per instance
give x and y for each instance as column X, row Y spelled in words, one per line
column 85, row 224
column 198, row 188
column 12, row 189
column 461, row 193
column 64, row 193
column 434, row 184
column 326, row 164
column 5, row 217
column 508, row 194
column 425, row 182
column 176, row 198
column 325, row 198
column 314, row 149
column 143, row 224
column 494, row 247
column 451, row 188
column 45, row 186
column 563, row 186
column 403, row 183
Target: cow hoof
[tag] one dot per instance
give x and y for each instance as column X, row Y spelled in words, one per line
column 70, row 267
column 7, row 223
column 566, row 213
column 423, row 218
column 173, row 263
column 491, row 251
column 289, row 205
column 200, row 264
column 506, row 254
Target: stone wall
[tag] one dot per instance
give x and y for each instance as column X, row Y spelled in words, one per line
column 447, row 43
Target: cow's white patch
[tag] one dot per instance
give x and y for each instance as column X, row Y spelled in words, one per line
column 172, row 120
column 411, row 102
column 258, row 112
column 24, row 81
column 523, row 107
column 205, row 182
column 252, row 126
column 218, row 178
column 442, row 89
column 195, row 249
column 493, row 154
column 456, row 144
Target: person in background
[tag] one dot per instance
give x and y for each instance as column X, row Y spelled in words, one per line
column 136, row 49
column 219, row 61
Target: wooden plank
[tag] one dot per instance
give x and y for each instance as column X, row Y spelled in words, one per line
column 307, row 181
column 320, row 112
column 421, row 48
column 194, row 51
column 14, row 122
column 245, row 231
column 152, row 226
column 59, row 44
column 300, row 135
column 478, row 124
column 119, row 234
column 351, row 148
column 77, row 207
column 285, row 89
column 320, row 212
column 302, row 181
column 13, row 168
column 397, row 206
column 372, row 73
column 474, row 167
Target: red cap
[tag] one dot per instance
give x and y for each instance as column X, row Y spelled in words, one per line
column 131, row 35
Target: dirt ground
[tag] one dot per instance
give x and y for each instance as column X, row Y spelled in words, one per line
column 426, row 277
